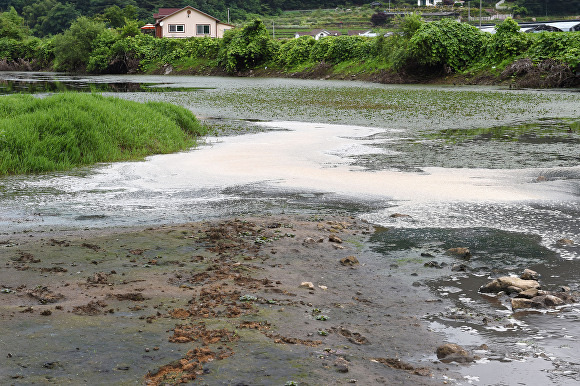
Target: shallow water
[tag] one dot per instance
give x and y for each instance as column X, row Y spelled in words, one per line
column 491, row 169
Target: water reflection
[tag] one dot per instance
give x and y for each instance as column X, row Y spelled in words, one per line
column 40, row 82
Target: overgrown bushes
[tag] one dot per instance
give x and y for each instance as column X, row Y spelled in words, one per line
column 67, row 130
column 415, row 46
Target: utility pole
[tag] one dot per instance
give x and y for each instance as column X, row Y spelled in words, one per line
column 273, row 33
column 468, row 11
column 480, row 14
column 228, row 16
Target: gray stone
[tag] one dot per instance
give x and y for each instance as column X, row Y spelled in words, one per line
column 341, row 365
column 528, row 274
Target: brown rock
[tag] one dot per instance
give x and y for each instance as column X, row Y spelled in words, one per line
column 334, row 239
column 521, row 303
column 528, row 294
column 459, row 251
column 552, row 301
column 349, row 261
column 504, row 282
column 528, row 274
column 565, row 242
column 451, row 352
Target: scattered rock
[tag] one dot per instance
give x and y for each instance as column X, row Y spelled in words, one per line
column 334, row 239
column 434, row 264
column 94, row 247
column 98, row 278
column 521, row 303
column 398, row 364
column 44, row 295
column 349, row 261
column 508, row 283
column 459, row 251
column 542, row 300
column 341, row 365
column 397, row 215
column 529, row 293
column 25, row 257
column 92, row 308
column 451, row 352
column 353, row 337
column 565, row 242
column 459, row 268
column 528, row 274
column 307, row 284
column 310, row 241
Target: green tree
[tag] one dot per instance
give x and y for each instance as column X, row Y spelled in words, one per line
column 58, row 19
column 33, row 13
column 73, row 48
column 12, row 25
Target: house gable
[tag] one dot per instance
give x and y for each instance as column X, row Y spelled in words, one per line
column 187, row 22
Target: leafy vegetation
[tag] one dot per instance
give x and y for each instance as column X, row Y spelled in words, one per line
column 246, row 47
column 68, row 130
column 111, row 42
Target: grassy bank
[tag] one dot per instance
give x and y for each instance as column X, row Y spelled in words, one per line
column 64, row 131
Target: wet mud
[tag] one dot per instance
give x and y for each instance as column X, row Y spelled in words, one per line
column 236, row 301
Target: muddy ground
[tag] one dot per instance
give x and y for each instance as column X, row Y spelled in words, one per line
column 218, row 302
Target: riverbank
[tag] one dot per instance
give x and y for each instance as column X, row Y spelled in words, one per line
column 268, row 300
column 522, row 73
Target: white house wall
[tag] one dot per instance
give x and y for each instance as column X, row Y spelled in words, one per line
column 190, row 22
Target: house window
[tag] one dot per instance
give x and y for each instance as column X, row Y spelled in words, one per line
column 202, row 29
column 176, row 27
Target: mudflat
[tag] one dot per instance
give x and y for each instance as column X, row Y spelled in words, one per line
column 270, row 300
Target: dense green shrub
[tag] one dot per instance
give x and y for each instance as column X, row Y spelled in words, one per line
column 447, row 42
column 562, row 46
column 508, row 42
column 31, row 49
column 67, row 130
column 247, row 47
column 296, row 51
column 343, row 48
column 409, row 24
column 320, row 49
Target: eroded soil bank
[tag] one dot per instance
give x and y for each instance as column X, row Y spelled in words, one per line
column 218, row 302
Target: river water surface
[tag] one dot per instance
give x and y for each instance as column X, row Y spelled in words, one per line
column 491, row 169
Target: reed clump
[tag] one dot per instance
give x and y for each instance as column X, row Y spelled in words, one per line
column 68, row 130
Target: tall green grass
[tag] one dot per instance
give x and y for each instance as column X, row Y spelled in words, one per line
column 67, row 130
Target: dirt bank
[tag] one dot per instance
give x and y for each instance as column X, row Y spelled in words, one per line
column 269, row 300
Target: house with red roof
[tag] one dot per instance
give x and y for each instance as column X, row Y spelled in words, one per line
column 187, row 22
